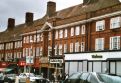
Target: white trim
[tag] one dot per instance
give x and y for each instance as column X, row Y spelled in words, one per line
column 88, row 20
column 88, row 56
column 76, row 23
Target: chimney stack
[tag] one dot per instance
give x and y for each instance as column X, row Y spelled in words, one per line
column 11, row 23
column 89, row 1
column 85, row 1
column 29, row 18
column 51, row 8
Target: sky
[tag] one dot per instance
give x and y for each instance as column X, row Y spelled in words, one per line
column 17, row 8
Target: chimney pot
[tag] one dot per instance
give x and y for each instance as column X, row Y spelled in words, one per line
column 29, row 17
column 11, row 23
column 51, row 8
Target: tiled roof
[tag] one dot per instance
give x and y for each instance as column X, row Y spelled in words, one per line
column 65, row 13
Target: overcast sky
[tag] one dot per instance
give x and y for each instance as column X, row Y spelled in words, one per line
column 17, row 8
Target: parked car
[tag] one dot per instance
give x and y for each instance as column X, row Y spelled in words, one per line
column 32, row 77
column 92, row 77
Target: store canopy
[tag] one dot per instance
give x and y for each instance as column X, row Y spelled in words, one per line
column 5, row 69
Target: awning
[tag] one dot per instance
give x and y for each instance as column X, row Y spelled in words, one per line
column 5, row 69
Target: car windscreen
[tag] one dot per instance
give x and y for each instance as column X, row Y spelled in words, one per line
column 110, row 79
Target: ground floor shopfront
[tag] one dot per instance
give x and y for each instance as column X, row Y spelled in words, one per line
column 105, row 62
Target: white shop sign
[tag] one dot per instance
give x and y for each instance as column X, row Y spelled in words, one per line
column 56, row 60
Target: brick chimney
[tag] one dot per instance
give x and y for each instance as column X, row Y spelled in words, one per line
column 51, row 8
column 29, row 18
column 89, row 1
column 11, row 23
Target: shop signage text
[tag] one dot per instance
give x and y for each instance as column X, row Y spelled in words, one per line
column 97, row 56
column 56, row 60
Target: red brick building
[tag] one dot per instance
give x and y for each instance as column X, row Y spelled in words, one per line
column 85, row 36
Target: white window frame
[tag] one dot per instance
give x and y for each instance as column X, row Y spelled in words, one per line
column 77, row 47
column 82, row 46
column 66, row 33
column 115, row 43
column 56, row 34
column 60, row 49
column 60, row 33
column 71, row 47
column 83, row 27
column 38, row 37
column 49, row 36
column 41, row 51
column 100, row 25
column 65, row 48
column 72, row 31
column 77, row 31
column 115, row 22
column 49, row 50
column 41, row 37
column 99, row 44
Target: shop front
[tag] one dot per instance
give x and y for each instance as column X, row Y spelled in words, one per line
column 44, row 67
column 105, row 62
column 56, row 66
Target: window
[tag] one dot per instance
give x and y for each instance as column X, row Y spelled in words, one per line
column 115, row 22
column 100, row 25
column 77, row 31
column 65, row 48
column 71, row 47
column 72, row 31
column 83, row 29
column 56, row 49
column 66, row 33
column 82, row 46
column 24, row 39
column 114, row 42
column 49, row 36
column 24, row 52
column 31, row 38
column 61, row 34
column 27, row 39
column 34, row 38
column 77, row 47
column 56, row 35
column 41, row 36
column 99, row 44
column 49, row 50
column 37, row 51
column 40, row 51
column 60, row 49
column 38, row 37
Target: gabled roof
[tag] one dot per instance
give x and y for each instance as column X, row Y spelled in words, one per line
column 65, row 13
